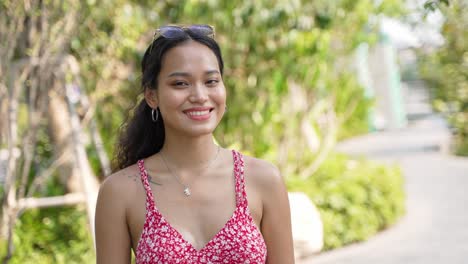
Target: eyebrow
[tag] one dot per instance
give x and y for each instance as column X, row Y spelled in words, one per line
column 186, row 74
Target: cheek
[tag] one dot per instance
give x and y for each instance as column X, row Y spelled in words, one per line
column 220, row 95
column 171, row 100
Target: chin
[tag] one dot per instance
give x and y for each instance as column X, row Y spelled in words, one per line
column 192, row 129
column 197, row 131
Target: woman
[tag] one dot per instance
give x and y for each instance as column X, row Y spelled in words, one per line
column 204, row 203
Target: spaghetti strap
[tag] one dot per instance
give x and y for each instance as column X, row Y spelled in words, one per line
column 144, row 179
column 241, row 195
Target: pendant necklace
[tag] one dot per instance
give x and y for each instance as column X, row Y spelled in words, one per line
column 186, row 186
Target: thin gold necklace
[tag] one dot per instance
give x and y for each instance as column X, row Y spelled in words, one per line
column 187, row 191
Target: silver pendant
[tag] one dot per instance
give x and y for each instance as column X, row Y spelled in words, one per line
column 187, row 191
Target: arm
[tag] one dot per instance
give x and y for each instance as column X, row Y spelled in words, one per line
column 276, row 219
column 113, row 243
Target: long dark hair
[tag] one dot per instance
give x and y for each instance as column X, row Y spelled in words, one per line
column 140, row 137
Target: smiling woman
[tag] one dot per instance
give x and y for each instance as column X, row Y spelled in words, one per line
column 176, row 196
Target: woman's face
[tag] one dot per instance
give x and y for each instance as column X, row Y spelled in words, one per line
column 191, row 95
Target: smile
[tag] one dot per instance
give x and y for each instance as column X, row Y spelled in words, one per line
column 199, row 114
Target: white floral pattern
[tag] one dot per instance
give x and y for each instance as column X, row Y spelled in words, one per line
column 239, row 241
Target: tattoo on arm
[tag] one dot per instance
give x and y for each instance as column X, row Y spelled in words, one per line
column 152, row 181
column 132, row 177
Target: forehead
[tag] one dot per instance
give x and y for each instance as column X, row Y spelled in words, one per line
column 189, row 57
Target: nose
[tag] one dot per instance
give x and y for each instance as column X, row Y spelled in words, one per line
column 199, row 94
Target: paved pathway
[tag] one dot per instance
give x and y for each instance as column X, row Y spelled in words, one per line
column 435, row 227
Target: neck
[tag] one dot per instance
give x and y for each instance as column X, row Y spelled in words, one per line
column 189, row 153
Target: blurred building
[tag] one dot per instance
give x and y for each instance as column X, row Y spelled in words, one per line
column 386, row 69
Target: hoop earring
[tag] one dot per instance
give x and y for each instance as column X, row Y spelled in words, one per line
column 153, row 117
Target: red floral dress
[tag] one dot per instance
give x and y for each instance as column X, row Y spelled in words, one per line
column 239, row 241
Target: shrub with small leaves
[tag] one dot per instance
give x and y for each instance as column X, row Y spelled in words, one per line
column 356, row 198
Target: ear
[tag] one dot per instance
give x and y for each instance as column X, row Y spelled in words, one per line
column 151, row 97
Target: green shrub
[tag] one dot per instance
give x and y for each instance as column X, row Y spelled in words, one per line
column 52, row 235
column 356, row 198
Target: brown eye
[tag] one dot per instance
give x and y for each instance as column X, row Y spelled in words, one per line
column 213, row 82
column 180, row 84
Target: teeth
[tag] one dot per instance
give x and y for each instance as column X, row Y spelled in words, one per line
column 198, row 113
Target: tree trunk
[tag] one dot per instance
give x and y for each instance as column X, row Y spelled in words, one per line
column 61, row 135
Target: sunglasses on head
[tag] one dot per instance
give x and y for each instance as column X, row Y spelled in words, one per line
column 173, row 32
column 180, row 31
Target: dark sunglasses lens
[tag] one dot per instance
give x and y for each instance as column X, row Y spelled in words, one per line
column 202, row 30
column 171, row 32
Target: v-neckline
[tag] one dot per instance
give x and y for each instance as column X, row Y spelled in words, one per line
column 189, row 244
column 237, row 181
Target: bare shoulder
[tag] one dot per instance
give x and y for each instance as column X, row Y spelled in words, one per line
column 122, row 184
column 263, row 174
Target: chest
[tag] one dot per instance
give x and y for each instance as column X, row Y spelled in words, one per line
column 197, row 218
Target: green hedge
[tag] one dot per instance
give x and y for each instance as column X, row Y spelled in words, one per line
column 356, row 198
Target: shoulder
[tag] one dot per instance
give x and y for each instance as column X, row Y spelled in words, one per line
column 122, row 178
column 263, row 174
column 120, row 186
column 261, row 169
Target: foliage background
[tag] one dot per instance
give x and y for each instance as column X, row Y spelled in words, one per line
column 445, row 70
column 291, row 95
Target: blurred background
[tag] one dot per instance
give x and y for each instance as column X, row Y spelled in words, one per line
column 313, row 86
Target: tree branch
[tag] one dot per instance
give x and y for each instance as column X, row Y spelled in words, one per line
column 67, row 199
